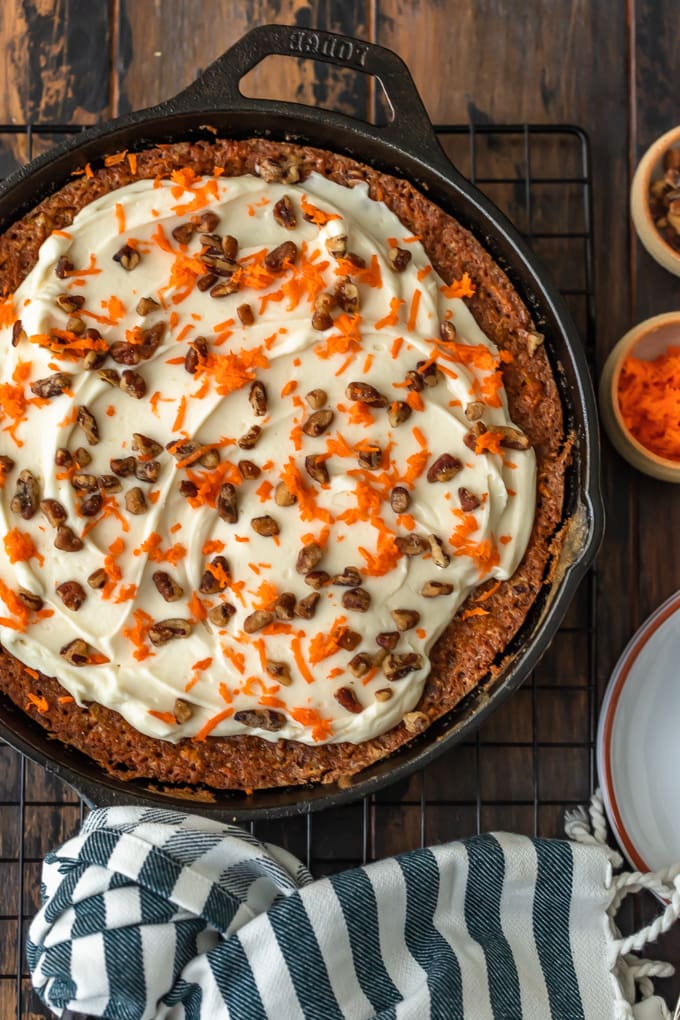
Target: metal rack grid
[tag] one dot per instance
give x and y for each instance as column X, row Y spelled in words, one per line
column 534, row 757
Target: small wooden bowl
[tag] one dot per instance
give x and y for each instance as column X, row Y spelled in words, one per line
column 650, row 168
column 647, row 340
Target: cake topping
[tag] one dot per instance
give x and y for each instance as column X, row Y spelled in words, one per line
column 154, row 342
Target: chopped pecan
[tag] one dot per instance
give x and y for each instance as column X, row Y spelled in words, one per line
column 147, row 470
column 444, row 468
column 366, row 393
column 398, row 412
column 283, row 496
column 384, row 694
column 208, row 221
column 98, row 578
column 399, row 259
column 405, row 619
column 315, row 466
column 151, row 339
column 63, row 267
column 316, row 399
column 258, row 399
column 415, row 381
column 52, row 385
column 124, row 353
column 167, row 630
column 336, row 246
column 306, row 607
column 397, row 665
column 70, row 303
column 188, row 489
column 317, row 579
column 447, row 331
column 361, row 664
column 512, row 439
column 196, row 355
column 280, row 257
column 30, row 600
column 370, row 456
column 278, row 172
column 184, row 232
column 356, row 598
column 123, row 466
column 284, row 607
column 261, row 719
column 265, row 526
column 468, row 500
column 229, row 247
column 349, row 578
column 79, row 653
column 82, row 482
column 245, row 314
column 206, row 281
column 532, row 339
column 133, row 384
column 429, row 372
column 54, row 511
column 72, row 594
column 347, row 295
column 182, row 710
column 67, row 540
column 109, row 484
column 74, row 324
column 474, row 410
column 26, row 496
column 400, row 499
column 110, row 376
column 388, row 639
column 18, row 333
column 91, row 505
column 248, row 469
column 88, row 423
column 146, row 305
column 63, row 458
column 6, row 465
column 215, row 577
column 257, row 620
column 470, row 438
column 308, row 557
column 348, row 639
column 284, row 213
column 249, row 440
column 318, row 422
column 280, row 671
column 433, row 589
column 439, row 555
column 346, row 697
column 169, row 589
column 415, row 722
column 222, row 289
column 135, row 501
column 221, row 614
column 412, row 545
column 82, row 457
column 128, row 257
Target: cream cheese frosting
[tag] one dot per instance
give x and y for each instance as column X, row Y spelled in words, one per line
column 318, row 679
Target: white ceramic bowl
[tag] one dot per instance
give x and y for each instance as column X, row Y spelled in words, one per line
column 650, row 168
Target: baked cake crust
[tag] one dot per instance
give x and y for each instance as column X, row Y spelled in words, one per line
column 469, row 649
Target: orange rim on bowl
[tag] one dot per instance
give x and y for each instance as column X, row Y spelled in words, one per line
column 647, row 340
column 640, row 211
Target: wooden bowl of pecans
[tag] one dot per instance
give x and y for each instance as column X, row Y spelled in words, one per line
column 655, row 200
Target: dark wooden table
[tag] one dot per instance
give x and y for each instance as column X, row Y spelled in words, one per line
column 610, row 67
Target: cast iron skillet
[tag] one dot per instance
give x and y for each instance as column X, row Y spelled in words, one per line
column 406, row 147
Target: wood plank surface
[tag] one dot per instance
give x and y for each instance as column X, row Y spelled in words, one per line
column 609, row 67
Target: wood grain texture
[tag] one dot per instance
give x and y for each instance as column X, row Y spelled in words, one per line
column 154, row 67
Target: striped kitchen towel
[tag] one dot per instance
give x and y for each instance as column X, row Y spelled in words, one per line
column 156, row 914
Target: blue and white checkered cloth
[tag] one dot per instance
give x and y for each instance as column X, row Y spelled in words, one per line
column 156, row 915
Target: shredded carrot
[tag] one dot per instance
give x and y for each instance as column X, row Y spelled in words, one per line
column 38, row 702
column 477, row 611
column 415, row 401
column 396, row 346
column 20, row 547
column 288, row 387
column 120, row 217
column 212, row 723
column 264, row 491
column 315, row 215
column 212, row 545
column 237, row 659
column 489, row 592
column 166, row 717
column 459, row 288
column 310, row 718
column 179, row 417
column 392, row 317
column 115, row 159
column 65, row 699
column 300, row 660
column 7, row 312
column 323, row 645
column 649, row 401
column 489, row 442
column 137, row 634
column 413, row 313
column 422, row 273
column 196, row 608
column 132, row 162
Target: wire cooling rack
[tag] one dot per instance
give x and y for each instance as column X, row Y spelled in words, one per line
column 534, row 757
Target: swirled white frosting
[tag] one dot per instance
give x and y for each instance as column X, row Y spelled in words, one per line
column 219, row 671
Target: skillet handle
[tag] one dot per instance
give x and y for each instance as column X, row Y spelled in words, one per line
column 217, row 88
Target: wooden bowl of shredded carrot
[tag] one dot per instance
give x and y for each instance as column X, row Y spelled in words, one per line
column 640, row 396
